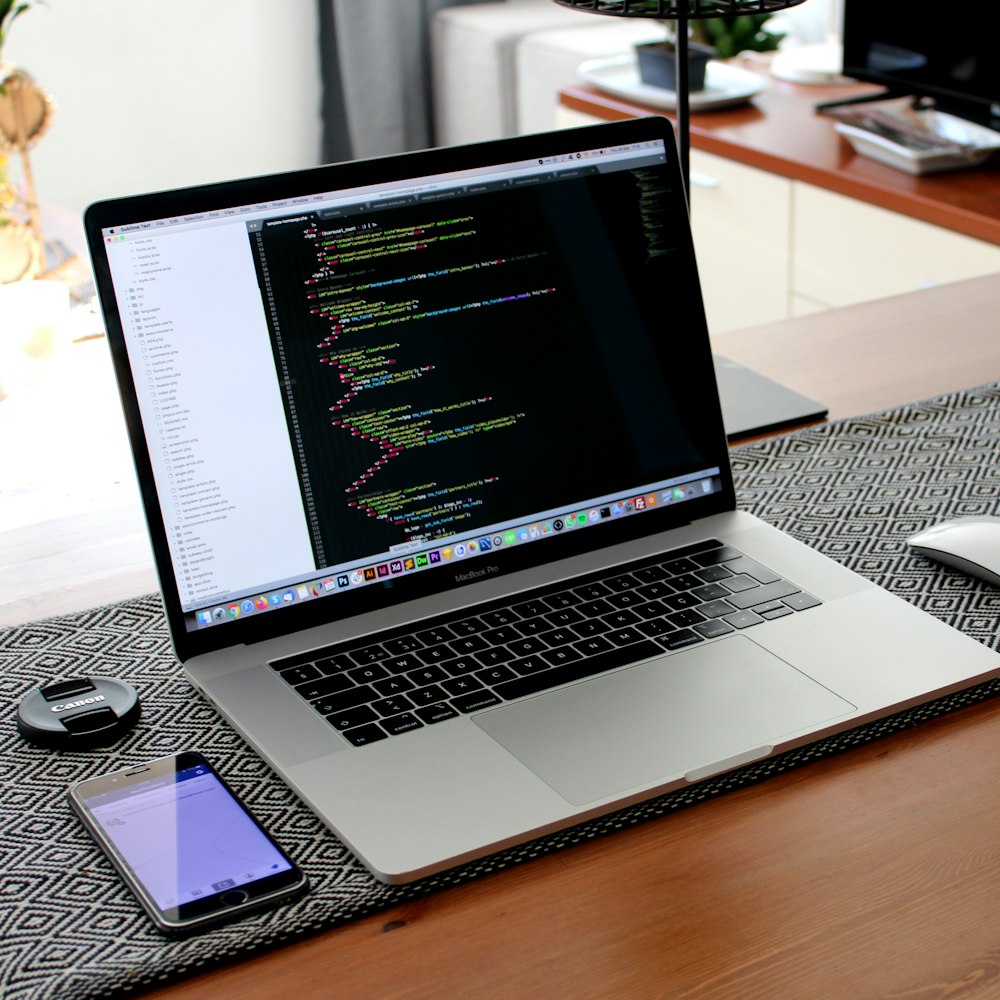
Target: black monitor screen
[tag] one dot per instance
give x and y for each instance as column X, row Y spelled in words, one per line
column 948, row 56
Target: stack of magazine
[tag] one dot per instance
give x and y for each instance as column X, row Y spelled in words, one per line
column 917, row 140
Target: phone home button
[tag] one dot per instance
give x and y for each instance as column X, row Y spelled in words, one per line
column 234, row 897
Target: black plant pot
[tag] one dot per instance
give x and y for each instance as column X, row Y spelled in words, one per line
column 658, row 64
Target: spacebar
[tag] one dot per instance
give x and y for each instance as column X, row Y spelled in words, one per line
column 578, row 669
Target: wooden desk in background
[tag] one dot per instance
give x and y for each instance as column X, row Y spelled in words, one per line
column 781, row 133
column 788, row 220
column 872, row 873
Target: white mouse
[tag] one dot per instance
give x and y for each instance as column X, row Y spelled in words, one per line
column 969, row 544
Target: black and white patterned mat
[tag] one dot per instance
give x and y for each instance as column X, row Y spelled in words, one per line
column 853, row 489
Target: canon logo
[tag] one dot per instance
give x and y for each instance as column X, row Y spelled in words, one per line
column 78, row 704
column 476, row 574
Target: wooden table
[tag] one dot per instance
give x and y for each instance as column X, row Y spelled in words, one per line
column 870, row 874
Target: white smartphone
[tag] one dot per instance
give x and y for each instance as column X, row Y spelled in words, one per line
column 185, row 845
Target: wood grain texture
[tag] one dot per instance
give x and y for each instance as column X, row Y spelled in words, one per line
column 872, row 874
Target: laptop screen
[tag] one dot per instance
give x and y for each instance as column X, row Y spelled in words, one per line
column 341, row 381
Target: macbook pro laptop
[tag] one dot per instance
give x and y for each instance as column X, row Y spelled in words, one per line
column 437, row 482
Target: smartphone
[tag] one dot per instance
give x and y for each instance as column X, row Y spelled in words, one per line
column 185, row 845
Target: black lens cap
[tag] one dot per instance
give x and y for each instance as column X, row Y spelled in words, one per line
column 78, row 714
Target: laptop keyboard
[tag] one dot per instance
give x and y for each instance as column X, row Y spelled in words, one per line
column 460, row 663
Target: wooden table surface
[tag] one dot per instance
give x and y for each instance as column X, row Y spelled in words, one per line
column 875, row 873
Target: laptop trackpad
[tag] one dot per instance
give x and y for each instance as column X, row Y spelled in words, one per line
column 680, row 714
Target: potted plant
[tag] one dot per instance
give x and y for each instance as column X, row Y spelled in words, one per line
column 658, row 64
column 732, row 35
column 711, row 38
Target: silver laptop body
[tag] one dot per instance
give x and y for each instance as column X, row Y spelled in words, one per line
column 438, row 488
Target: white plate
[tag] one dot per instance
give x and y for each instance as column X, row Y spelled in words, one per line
column 725, row 84
column 977, row 142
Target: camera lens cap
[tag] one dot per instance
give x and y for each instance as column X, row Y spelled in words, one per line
column 78, row 714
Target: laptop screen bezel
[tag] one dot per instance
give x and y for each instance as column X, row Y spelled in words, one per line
column 142, row 208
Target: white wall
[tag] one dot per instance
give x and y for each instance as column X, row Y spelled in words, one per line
column 163, row 93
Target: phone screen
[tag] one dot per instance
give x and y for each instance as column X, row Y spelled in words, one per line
column 185, row 836
column 184, row 841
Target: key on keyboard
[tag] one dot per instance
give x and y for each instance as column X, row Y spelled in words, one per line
column 461, row 663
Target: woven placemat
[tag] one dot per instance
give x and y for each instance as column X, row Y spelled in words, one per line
column 852, row 489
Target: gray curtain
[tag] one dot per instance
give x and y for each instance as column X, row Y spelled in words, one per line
column 376, row 66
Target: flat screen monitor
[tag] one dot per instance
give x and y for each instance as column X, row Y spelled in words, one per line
column 947, row 56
